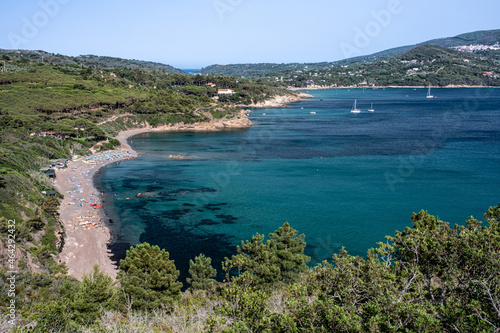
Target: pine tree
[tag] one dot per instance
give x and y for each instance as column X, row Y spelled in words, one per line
column 289, row 250
column 258, row 258
column 202, row 272
column 149, row 277
column 95, row 293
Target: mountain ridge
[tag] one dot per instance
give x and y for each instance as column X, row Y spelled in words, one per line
column 487, row 37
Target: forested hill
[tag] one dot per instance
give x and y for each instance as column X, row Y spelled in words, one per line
column 87, row 60
column 261, row 69
column 421, row 66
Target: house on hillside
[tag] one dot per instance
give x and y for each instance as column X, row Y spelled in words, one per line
column 225, row 92
column 51, row 173
column 211, row 84
column 58, row 163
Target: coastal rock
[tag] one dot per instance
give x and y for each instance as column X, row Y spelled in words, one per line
column 237, row 121
column 279, row 101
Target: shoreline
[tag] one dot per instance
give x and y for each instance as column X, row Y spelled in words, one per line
column 86, row 228
column 86, row 231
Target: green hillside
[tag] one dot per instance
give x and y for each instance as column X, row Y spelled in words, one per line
column 421, row 66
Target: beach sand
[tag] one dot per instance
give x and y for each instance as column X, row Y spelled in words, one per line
column 87, row 236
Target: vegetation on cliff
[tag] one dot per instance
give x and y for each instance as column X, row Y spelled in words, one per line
column 431, row 277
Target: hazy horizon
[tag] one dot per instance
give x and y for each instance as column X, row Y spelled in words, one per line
column 198, row 33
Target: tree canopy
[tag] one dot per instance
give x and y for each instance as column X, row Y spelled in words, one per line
column 149, row 277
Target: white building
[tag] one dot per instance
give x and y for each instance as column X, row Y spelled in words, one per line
column 225, row 92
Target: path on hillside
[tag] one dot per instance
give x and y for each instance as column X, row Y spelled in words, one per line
column 112, row 118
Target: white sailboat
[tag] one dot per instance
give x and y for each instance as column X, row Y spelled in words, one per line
column 429, row 92
column 371, row 109
column 354, row 109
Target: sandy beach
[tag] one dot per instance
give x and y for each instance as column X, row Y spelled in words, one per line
column 87, row 235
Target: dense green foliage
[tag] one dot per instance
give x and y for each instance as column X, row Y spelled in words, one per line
column 95, row 294
column 149, row 277
column 279, row 259
column 201, row 272
column 431, row 277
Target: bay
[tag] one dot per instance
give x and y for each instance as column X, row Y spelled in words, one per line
column 342, row 179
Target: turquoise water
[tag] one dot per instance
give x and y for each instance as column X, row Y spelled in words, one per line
column 342, row 179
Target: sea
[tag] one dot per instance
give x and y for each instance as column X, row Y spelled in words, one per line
column 344, row 180
column 191, row 70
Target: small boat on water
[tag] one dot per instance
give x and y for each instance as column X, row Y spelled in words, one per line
column 371, row 109
column 354, row 109
column 429, row 92
column 312, row 112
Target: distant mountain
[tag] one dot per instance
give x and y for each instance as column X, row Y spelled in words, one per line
column 420, row 66
column 88, row 60
column 489, row 37
column 486, row 37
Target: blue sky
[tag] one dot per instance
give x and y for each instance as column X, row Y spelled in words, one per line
column 198, row 33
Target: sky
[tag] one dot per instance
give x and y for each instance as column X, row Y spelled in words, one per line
column 198, row 33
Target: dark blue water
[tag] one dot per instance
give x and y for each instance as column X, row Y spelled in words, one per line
column 342, row 179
